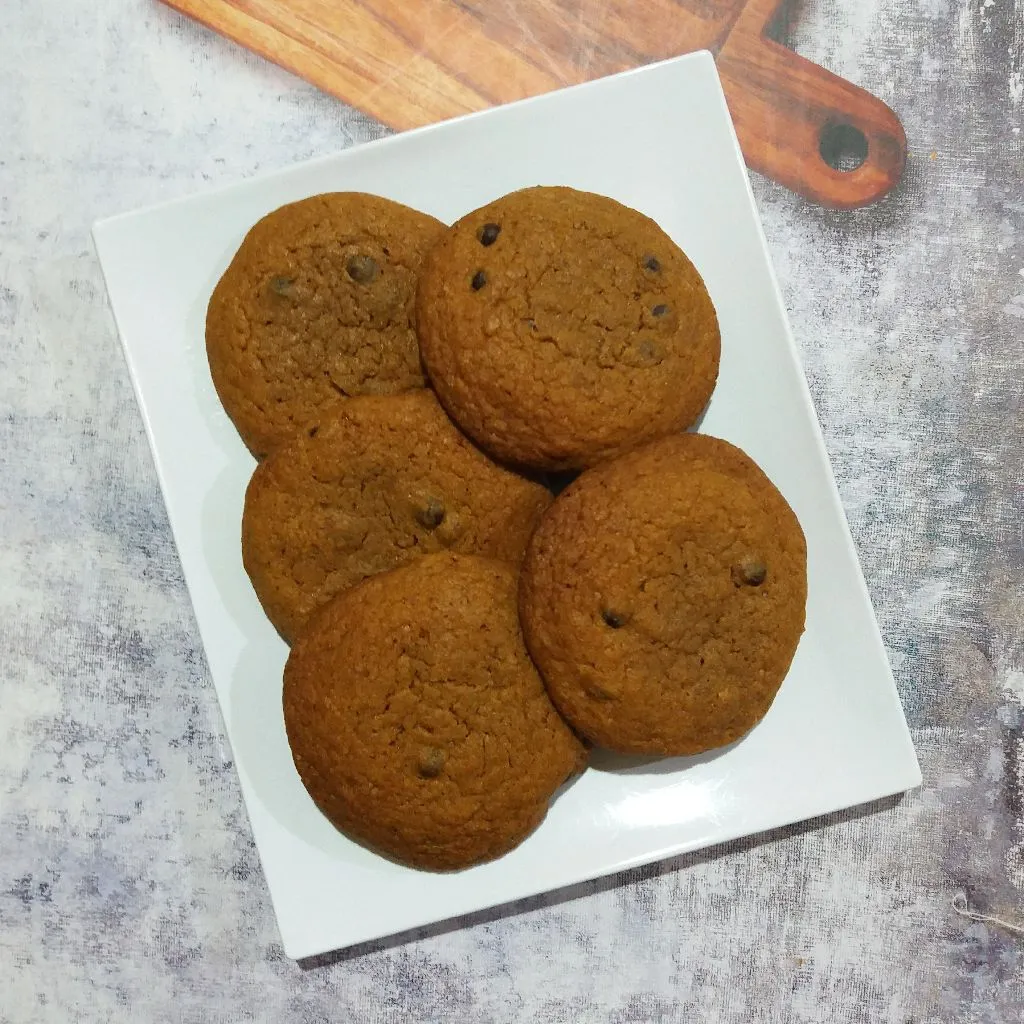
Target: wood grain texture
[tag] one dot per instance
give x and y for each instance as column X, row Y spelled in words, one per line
column 781, row 104
column 413, row 63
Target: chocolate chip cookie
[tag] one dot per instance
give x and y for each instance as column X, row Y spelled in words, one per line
column 663, row 597
column 316, row 307
column 561, row 328
column 385, row 480
column 416, row 719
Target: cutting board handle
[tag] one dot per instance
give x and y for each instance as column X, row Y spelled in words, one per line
column 795, row 120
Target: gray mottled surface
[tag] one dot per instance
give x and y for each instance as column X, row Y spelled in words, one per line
column 129, row 887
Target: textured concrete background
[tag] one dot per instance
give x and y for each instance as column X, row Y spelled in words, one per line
column 129, row 886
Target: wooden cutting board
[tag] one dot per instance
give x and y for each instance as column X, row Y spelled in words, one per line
column 413, row 62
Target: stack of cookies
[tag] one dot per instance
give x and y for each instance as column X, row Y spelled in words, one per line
column 416, row 396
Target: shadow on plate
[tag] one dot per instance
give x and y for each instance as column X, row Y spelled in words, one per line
column 222, row 543
column 598, row 885
column 261, row 749
column 641, row 764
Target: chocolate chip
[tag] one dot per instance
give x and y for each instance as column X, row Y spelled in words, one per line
column 282, row 286
column 431, row 515
column 614, row 619
column 750, row 572
column 659, row 310
column 488, row 234
column 479, row 280
column 595, row 692
column 362, row 269
column 431, row 762
column 652, row 264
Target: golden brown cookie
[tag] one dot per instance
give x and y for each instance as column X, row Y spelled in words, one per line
column 416, row 719
column 561, row 328
column 384, row 480
column 663, row 597
column 315, row 307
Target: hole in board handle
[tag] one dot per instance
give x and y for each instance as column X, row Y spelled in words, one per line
column 842, row 146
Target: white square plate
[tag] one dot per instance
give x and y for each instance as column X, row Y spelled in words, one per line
column 836, row 735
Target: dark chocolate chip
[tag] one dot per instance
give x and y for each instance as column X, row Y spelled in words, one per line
column 362, row 269
column 750, row 572
column 488, row 234
column 659, row 310
column 282, row 286
column 614, row 619
column 431, row 515
column 431, row 762
column 479, row 280
column 652, row 264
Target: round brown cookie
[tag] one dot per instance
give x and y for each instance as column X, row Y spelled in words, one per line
column 561, row 328
column 416, row 719
column 663, row 596
column 316, row 306
column 385, row 480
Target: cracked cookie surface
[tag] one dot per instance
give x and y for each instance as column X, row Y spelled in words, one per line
column 561, row 328
column 315, row 307
column 385, row 480
column 663, row 597
column 416, row 719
